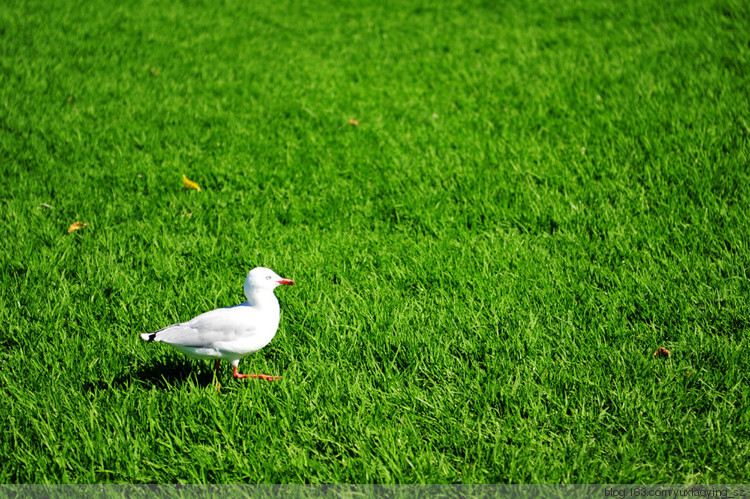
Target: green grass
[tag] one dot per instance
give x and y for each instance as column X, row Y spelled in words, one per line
column 538, row 195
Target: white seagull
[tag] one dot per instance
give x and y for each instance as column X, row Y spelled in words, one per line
column 233, row 332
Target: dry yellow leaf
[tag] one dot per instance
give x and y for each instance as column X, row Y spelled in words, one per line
column 190, row 184
column 76, row 226
column 354, row 122
column 662, row 352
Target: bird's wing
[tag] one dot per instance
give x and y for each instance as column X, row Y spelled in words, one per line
column 220, row 325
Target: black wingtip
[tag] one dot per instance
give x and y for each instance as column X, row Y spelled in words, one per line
column 149, row 337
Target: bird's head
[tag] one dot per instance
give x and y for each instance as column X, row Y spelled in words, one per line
column 261, row 278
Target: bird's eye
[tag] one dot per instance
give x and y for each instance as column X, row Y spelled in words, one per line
column 268, row 277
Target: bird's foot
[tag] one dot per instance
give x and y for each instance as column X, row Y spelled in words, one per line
column 261, row 376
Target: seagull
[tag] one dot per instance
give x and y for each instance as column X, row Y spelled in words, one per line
column 233, row 332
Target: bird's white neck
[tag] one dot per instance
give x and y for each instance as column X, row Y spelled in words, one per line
column 263, row 299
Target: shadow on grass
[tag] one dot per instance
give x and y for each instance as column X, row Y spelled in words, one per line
column 163, row 374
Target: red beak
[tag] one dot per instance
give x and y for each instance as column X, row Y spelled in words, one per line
column 286, row 281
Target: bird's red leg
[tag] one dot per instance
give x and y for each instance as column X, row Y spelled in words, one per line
column 261, row 376
column 216, row 368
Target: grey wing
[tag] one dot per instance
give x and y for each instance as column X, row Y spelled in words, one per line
column 220, row 325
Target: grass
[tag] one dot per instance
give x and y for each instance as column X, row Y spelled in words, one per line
column 537, row 196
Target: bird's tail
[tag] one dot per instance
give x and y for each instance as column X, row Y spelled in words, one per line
column 148, row 336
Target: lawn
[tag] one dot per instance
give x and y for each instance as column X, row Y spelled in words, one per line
column 532, row 197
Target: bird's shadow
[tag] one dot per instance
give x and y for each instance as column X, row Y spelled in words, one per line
column 162, row 374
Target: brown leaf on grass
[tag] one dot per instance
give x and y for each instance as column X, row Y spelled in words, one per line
column 76, row 226
column 187, row 215
column 662, row 352
column 354, row 122
column 190, row 184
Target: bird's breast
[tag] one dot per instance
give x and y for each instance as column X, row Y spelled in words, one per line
column 258, row 333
